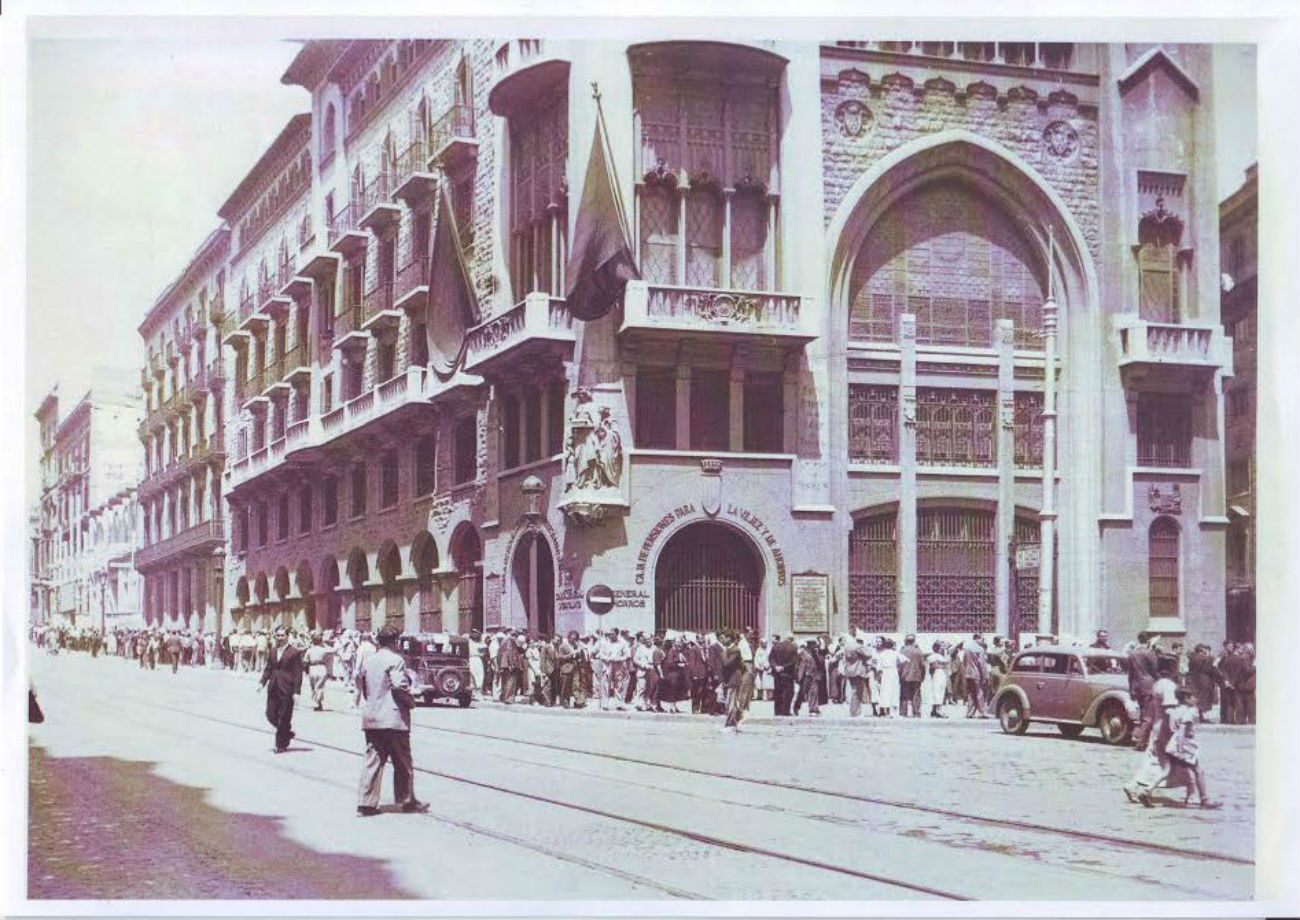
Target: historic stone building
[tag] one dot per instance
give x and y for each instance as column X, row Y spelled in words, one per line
column 86, row 519
column 919, row 329
column 183, row 384
column 1238, row 255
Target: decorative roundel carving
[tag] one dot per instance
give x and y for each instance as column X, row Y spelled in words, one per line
column 1061, row 140
column 853, row 118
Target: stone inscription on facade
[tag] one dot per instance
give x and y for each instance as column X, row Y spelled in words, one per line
column 655, row 533
column 755, row 523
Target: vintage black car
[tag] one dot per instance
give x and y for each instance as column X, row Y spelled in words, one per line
column 439, row 667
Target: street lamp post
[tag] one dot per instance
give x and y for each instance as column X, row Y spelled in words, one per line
column 1047, row 517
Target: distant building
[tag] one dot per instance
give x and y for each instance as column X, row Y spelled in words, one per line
column 86, row 519
column 183, row 438
column 1238, row 256
column 823, row 404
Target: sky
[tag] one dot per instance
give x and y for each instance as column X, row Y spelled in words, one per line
column 132, row 148
column 133, row 145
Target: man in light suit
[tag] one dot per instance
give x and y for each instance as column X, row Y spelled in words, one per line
column 282, row 678
column 384, row 686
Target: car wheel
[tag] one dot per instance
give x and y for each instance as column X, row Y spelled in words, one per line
column 1114, row 724
column 1012, row 716
column 465, row 701
column 1070, row 729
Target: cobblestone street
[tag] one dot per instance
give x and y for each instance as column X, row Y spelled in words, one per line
column 167, row 787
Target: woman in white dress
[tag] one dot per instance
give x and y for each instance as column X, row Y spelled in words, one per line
column 887, row 664
column 937, row 664
column 873, row 673
column 762, row 673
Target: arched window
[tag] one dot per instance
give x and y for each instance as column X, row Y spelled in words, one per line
column 1162, row 568
column 956, row 261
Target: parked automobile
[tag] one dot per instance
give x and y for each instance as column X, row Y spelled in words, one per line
column 1074, row 688
column 439, row 667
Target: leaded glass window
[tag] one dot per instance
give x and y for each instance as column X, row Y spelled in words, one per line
column 956, row 261
column 703, row 238
column 539, row 146
column 659, row 234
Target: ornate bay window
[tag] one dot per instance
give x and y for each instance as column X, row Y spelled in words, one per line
column 707, row 170
column 539, row 150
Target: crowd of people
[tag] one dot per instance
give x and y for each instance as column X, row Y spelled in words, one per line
column 677, row 672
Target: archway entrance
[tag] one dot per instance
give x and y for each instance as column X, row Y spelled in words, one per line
column 707, row 577
column 533, row 574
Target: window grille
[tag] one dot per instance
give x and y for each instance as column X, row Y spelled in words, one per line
column 1029, row 430
column 1028, row 533
column 955, row 428
column 956, row 561
column 873, row 573
column 873, row 424
column 1164, row 432
column 1162, row 561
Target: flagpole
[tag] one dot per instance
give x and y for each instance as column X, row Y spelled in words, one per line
column 603, row 131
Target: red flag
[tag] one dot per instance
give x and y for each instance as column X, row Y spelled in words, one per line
column 600, row 259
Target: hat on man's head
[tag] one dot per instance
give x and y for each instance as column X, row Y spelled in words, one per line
column 389, row 634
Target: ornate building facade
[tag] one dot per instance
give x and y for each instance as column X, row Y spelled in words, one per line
column 1239, row 257
column 86, row 519
column 183, row 385
column 920, row 330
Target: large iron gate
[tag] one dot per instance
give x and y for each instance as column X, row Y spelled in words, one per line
column 707, row 577
column 873, row 573
column 956, row 587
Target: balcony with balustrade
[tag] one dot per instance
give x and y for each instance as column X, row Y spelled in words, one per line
column 451, row 138
column 668, row 312
column 414, row 180
column 252, row 395
column 348, row 323
column 380, row 314
column 200, row 539
column 411, row 292
column 537, row 331
column 1163, row 355
column 346, row 235
column 378, row 208
column 251, row 318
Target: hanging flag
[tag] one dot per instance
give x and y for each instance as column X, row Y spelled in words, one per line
column 600, row 258
column 453, row 307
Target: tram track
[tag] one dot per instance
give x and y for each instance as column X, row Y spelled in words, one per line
column 1004, row 823
column 732, row 845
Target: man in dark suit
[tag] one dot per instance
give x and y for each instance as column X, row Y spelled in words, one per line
column 282, row 678
column 1143, row 666
column 911, row 671
column 713, row 665
column 783, row 659
column 697, row 672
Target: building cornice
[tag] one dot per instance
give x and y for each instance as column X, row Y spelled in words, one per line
column 292, row 139
column 212, row 252
column 313, row 62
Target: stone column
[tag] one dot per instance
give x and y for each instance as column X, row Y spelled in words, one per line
column 907, row 527
column 1004, row 338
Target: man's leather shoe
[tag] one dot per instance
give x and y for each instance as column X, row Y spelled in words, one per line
column 415, row 806
column 367, row 811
